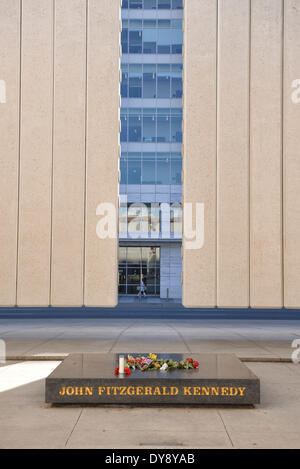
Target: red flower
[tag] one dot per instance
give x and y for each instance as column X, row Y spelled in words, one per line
column 195, row 364
column 127, row 371
column 190, row 360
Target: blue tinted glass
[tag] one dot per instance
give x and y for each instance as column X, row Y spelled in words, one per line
column 176, row 168
column 163, row 41
column 136, row 4
column 124, row 84
column 163, row 128
column 176, row 129
column 148, row 168
column 135, row 81
column 124, row 39
column 125, row 4
column 177, row 40
column 123, row 170
column 149, row 81
column 177, row 4
column 135, row 42
column 149, row 41
column 150, row 4
column 163, row 81
column 176, row 86
column 124, row 129
column 134, row 168
column 149, row 129
column 164, row 4
column 163, row 169
column 135, row 129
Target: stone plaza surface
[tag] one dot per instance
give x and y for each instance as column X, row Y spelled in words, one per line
column 153, row 328
column 27, row 422
column 90, row 379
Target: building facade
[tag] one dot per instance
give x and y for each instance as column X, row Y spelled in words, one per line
column 150, row 233
column 104, row 146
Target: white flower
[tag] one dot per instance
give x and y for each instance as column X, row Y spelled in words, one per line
column 164, row 367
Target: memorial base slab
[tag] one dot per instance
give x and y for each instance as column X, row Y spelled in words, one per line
column 221, row 379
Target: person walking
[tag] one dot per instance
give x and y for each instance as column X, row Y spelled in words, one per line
column 142, row 289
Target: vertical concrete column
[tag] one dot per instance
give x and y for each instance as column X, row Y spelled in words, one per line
column 199, row 154
column 233, row 154
column 68, row 153
column 33, row 288
column 103, row 110
column 291, row 155
column 266, row 286
column 9, row 153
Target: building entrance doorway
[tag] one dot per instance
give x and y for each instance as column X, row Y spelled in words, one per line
column 136, row 264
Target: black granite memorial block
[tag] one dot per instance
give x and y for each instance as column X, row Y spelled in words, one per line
column 90, row 379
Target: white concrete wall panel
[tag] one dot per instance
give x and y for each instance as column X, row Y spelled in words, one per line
column 33, row 287
column 233, row 154
column 69, row 153
column 9, row 147
column 101, row 255
column 291, row 155
column 199, row 156
column 266, row 286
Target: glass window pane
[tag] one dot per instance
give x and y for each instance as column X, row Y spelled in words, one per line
column 134, row 256
column 164, row 4
column 148, row 168
column 134, row 275
column 163, row 41
column 150, row 4
column 124, row 39
column 134, row 168
column 123, row 218
column 149, row 78
column 132, row 289
column 135, row 128
column 135, row 37
column 136, row 4
column 124, row 84
column 176, row 86
column 149, row 129
column 125, row 4
column 176, row 129
column 177, row 4
column 122, row 255
column 177, row 40
column 163, row 128
column 123, row 169
column 176, row 168
column 149, row 40
column 163, row 81
column 124, row 125
column 135, row 81
column 154, row 218
column 163, row 169
column 176, row 218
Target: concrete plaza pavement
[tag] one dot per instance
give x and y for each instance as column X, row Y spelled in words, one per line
column 27, row 422
column 32, row 333
column 35, row 342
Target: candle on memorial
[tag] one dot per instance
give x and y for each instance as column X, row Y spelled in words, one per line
column 121, row 365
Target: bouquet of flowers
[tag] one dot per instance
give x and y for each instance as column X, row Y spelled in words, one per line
column 151, row 362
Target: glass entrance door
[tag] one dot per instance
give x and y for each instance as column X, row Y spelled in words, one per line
column 137, row 264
